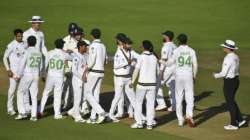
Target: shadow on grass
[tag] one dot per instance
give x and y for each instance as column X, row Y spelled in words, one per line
column 163, row 119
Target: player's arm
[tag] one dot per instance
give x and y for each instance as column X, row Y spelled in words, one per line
column 22, row 65
column 195, row 65
column 92, row 57
column 44, row 49
column 75, row 68
column 118, row 63
column 225, row 68
column 6, row 55
column 136, row 71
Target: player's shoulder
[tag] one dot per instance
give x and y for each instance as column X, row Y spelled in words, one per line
column 11, row 44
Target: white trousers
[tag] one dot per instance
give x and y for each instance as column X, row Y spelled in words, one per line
column 150, row 103
column 92, row 93
column 184, row 89
column 27, row 82
column 171, row 92
column 78, row 93
column 122, row 84
column 56, row 84
column 11, row 93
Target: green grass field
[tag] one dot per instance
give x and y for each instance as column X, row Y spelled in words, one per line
column 207, row 23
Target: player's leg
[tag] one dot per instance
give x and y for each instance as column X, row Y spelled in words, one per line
column 120, row 107
column 77, row 87
column 96, row 94
column 160, row 99
column 179, row 88
column 118, row 93
column 171, row 87
column 89, row 86
column 22, row 88
column 11, row 92
column 130, row 94
column 189, row 98
column 58, row 97
column 27, row 101
column 33, row 95
column 140, row 93
column 48, row 88
column 150, row 96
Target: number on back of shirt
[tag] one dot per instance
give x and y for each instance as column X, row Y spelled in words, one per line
column 34, row 61
column 184, row 60
column 56, row 64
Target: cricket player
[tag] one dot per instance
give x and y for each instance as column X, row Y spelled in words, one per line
column 122, row 77
column 185, row 60
column 230, row 73
column 96, row 61
column 35, row 30
column 147, row 67
column 167, row 73
column 79, row 69
column 29, row 70
column 12, row 58
column 55, row 63
column 75, row 35
column 120, row 39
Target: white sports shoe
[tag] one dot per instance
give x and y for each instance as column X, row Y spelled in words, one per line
column 118, row 115
column 70, row 113
column 21, row 117
column 154, row 123
column 12, row 113
column 242, row 123
column 90, row 121
column 181, row 123
column 231, row 127
column 160, row 107
column 80, row 120
column 115, row 120
column 34, row 119
column 136, row 126
column 59, row 117
column 100, row 119
column 149, row 127
column 171, row 109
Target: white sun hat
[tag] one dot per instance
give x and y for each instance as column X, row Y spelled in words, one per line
column 230, row 44
column 36, row 19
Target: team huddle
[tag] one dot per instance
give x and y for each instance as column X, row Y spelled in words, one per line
column 74, row 71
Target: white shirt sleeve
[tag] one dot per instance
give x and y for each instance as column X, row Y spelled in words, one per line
column 7, row 53
column 137, row 69
column 92, row 57
column 75, row 68
column 44, row 49
column 225, row 68
column 195, row 65
column 47, row 59
column 118, row 62
column 22, row 65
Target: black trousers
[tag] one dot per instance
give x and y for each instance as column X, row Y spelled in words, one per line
column 230, row 88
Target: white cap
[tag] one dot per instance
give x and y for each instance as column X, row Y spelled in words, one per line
column 230, row 44
column 36, row 19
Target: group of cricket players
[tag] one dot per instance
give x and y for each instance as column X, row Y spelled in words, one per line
column 74, row 71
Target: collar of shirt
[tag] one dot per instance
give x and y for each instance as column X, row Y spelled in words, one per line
column 146, row 52
column 97, row 41
column 15, row 41
column 167, row 43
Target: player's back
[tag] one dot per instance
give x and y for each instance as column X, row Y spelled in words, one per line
column 56, row 62
column 33, row 61
column 184, row 58
column 148, row 68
